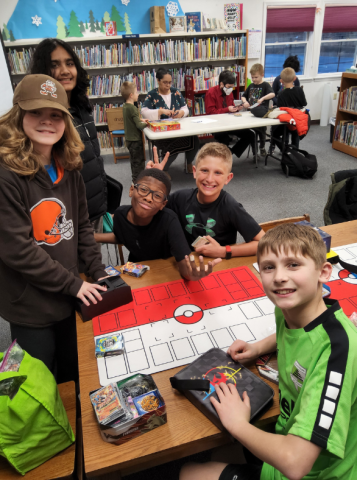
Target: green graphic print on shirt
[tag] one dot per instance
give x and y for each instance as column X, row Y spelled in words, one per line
column 208, row 228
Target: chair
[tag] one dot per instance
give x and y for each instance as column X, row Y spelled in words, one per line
column 117, row 134
column 274, row 223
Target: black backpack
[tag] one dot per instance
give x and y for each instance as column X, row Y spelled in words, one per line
column 298, row 163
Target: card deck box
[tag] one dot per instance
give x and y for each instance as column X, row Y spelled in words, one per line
column 166, row 126
column 118, row 293
column 197, row 382
column 326, row 237
column 123, row 432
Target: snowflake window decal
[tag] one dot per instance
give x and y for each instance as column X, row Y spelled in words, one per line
column 125, row 2
column 36, row 20
column 172, row 9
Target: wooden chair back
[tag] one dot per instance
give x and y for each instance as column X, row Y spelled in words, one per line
column 274, row 223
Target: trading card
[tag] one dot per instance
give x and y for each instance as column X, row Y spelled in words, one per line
column 237, row 114
column 148, row 402
column 268, row 368
column 199, row 242
column 112, row 271
column 106, row 403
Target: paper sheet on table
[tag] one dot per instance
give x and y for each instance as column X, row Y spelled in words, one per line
column 203, row 120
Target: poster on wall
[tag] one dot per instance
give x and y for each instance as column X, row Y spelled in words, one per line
column 254, row 43
column 72, row 19
column 233, row 16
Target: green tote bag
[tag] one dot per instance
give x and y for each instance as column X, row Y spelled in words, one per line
column 33, row 425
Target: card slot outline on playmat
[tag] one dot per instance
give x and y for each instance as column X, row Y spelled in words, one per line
column 140, row 368
column 153, row 358
column 157, row 287
column 250, row 303
column 115, row 358
column 189, row 343
column 174, row 284
column 198, row 335
column 258, row 301
column 134, row 340
column 107, row 315
column 243, row 323
column 229, row 333
column 132, row 331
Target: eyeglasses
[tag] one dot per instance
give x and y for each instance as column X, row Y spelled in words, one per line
column 167, row 83
column 144, row 191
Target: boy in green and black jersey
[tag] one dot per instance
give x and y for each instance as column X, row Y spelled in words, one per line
column 317, row 359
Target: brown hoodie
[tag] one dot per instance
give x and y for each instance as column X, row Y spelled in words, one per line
column 44, row 229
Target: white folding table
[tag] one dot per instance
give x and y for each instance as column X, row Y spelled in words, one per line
column 204, row 124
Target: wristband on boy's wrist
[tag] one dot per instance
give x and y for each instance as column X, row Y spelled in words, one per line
column 228, row 252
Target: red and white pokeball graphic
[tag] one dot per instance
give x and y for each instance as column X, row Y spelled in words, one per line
column 347, row 277
column 188, row 314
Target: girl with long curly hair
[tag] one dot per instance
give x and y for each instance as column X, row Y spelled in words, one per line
column 45, row 227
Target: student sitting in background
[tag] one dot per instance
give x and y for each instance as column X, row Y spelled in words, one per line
column 219, row 99
column 258, row 92
column 132, row 129
column 291, row 62
column 292, row 97
column 149, row 231
column 317, row 357
column 211, row 212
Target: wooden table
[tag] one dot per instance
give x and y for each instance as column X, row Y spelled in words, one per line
column 61, row 466
column 188, row 431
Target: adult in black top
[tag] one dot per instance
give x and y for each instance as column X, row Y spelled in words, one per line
column 221, row 219
column 292, row 62
column 161, row 238
column 56, row 58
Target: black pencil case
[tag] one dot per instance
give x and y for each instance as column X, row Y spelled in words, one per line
column 197, row 382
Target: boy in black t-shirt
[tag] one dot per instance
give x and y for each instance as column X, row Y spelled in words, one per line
column 151, row 232
column 258, row 92
column 291, row 97
column 209, row 211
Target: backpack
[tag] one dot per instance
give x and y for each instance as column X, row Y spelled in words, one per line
column 298, row 163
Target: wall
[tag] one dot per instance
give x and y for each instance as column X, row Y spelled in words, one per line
column 254, row 17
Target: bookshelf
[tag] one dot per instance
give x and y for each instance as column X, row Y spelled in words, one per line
column 348, row 97
column 110, row 61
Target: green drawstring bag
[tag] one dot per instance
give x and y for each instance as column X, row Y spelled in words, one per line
column 33, row 425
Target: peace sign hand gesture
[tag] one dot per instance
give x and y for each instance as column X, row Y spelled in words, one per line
column 155, row 163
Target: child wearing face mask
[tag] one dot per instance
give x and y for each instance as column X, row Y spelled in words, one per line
column 219, row 99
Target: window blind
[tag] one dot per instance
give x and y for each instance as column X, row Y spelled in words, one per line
column 340, row 19
column 290, row 20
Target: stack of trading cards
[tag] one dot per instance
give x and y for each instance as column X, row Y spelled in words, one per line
column 134, row 269
column 108, row 404
column 109, row 345
column 199, row 242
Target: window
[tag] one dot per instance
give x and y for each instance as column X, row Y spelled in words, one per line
column 339, row 39
column 287, row 33
column 279, row 46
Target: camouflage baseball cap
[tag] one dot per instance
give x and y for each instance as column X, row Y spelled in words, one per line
column 40, row 91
